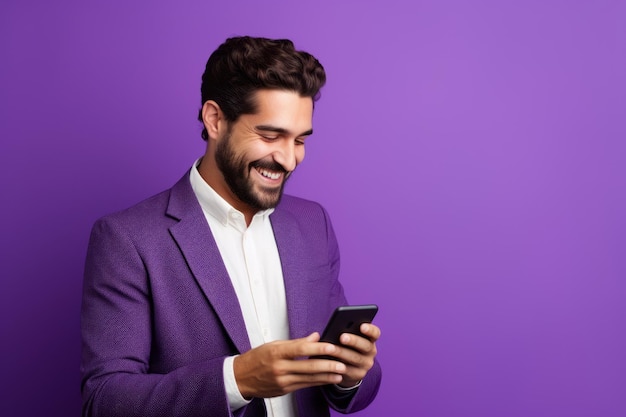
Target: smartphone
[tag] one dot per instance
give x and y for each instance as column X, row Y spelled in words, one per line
column 348, row 319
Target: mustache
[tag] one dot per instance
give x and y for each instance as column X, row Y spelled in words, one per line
column 269, row 165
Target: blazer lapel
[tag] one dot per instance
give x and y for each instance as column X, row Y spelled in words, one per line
column 289, row 241
column 196, row 242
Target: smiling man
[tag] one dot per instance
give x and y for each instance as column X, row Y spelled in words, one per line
column 207, row 299
column 254, row 156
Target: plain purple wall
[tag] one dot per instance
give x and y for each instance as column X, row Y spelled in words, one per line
column 471, row 155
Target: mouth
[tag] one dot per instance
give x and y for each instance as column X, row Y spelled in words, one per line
column 271, row 172
column 266, row 173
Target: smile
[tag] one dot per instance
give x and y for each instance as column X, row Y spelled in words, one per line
column 269, row 174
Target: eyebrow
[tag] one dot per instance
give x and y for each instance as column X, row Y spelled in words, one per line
column 283, row 131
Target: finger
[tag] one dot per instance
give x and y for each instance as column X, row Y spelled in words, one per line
column 309, row 369
column 354, row 358
column 310, row 372
column 298, row 381
column 316, row 370
column 353, row 376
column 313, row 337
column 371, row 331
column 304, row 347
column 319, row 366
column 358, row 343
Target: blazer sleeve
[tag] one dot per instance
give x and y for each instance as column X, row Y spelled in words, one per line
column 117, row 325
column 368, row 389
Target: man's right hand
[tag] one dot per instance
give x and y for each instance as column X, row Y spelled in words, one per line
column 281, row 367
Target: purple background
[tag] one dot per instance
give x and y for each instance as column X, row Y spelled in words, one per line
column 471, row 155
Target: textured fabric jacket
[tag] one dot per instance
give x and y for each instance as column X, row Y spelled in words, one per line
column 159, row 312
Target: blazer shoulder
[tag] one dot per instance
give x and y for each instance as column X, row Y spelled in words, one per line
column 156, row 209
column 144, row 211
column 299, row 206
column 306, row 213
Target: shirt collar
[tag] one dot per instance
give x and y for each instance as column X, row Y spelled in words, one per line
column 212, row 203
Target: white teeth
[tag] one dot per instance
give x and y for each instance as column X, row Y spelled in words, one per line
column 270, row 175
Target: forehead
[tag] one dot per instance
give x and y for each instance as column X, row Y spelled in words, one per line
column 283, row 109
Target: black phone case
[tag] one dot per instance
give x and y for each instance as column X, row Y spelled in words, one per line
column 348, row 319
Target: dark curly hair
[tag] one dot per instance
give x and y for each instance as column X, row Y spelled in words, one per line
column 242, row 65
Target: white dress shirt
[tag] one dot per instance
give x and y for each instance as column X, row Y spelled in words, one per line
column 251, row 258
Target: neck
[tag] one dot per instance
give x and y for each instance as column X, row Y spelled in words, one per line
column 214, row 177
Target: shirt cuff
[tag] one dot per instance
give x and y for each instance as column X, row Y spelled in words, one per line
column 340, row 396
column 346, row 390
column 235, row 399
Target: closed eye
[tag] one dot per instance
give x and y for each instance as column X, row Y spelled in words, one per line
column 272, row 133
column 300, row 140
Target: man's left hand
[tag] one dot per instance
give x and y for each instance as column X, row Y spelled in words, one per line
column 357, row 353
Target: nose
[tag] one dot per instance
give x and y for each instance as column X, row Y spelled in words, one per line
column 287, row 155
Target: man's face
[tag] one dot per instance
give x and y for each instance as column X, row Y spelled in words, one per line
column 261, row 150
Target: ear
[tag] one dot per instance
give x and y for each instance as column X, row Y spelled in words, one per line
column 213, row 119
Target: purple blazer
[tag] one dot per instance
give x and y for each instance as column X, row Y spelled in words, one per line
column 159, row 313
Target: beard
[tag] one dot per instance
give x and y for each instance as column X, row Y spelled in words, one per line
column 236, row 172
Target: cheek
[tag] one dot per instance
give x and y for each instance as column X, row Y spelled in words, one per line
column 256, row 152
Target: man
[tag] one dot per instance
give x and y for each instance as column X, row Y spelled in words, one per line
column 206, row 299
